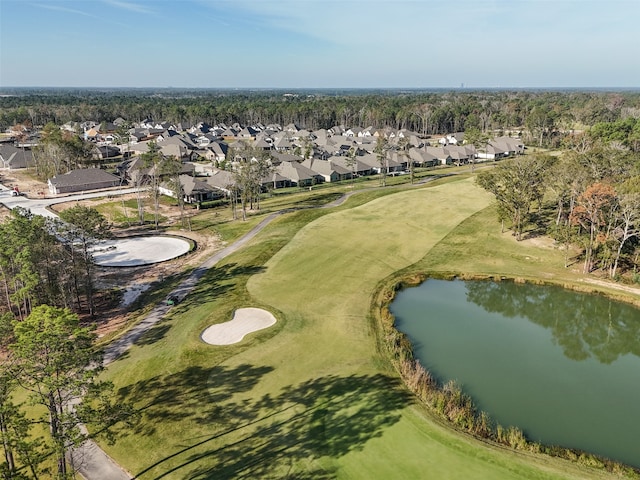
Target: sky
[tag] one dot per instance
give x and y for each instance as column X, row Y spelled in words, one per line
column 320, row 43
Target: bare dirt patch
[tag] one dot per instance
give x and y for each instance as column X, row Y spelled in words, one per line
column 540, row 241
column 25, row 182
column 128, row 283
column 121, row 286
column 613, row 285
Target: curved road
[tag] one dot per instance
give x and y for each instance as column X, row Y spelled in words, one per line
column 38, row 206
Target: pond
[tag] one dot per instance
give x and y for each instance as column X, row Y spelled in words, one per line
column 562, row 366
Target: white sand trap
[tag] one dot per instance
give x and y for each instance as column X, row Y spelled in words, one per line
column 245, row 320
column 136, row 251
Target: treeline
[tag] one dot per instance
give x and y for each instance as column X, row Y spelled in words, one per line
column 48, row 357
column 47, row 262
column 542, row 114
column 588, row 198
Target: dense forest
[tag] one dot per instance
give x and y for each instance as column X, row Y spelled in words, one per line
column 539, row 114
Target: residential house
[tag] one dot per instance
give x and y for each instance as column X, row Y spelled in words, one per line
column 222, row 180
column 278, row 157
column 452, row 139
column 460, row 154
column 353, row 132
column 283, row 142
column 15, row 158
column 247, row 133
column 176, row 150
column 502, row 147
column 194, row 189
column 216, row 152
column 137, row 135
column 264, row 143
column 331, row 172
column 423, row 158
column 177, row 146
column 441, row 154
column 336, row 130
column 204, row 140
column 366, row 132
column 391, row 162
column 82, row 180
column 102, row 152
column 359, row 168
column 512, row 145
column 298, row 174
column 275, row 180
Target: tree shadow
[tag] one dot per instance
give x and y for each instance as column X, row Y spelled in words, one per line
column 218, row 280
column 268, row 437
column 154, row 334
column 194, row 393
column 583, row 325
column 207, row 285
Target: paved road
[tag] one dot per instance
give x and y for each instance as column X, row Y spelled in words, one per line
column 39, row 206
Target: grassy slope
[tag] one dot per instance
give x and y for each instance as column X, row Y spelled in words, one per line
column 309, row 397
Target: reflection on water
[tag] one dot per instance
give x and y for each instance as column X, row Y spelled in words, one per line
column 584, row 325
column 561, row 365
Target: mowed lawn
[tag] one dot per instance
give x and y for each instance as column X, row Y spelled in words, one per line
column 311, row 397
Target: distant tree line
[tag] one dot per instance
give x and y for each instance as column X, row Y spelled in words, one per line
column 541, row 114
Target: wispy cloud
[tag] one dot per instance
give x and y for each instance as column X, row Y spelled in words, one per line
column 59, row 8
column 131, row 6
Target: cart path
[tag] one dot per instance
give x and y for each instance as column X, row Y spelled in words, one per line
column 89, row 459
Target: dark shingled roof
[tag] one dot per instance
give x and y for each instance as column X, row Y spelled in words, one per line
column 84, row 176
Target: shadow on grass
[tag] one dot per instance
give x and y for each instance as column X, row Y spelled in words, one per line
column 154, row 334
column 216, row 281
column 206, row 286
column 189, row 394
column 268, row 437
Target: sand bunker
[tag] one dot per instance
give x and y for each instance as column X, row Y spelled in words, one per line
column 136, row 251
column 245, row 320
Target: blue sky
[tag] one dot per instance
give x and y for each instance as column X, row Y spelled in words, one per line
column 320, row 44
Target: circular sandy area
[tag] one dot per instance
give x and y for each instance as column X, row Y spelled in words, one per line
column 136, row 251
column 245, row 320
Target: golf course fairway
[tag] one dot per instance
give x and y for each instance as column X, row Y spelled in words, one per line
column 311, row 397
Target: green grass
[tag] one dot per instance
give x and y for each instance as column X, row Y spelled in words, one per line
column 115, row 213
column 311, row 397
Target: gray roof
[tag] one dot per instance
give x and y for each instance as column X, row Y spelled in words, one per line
column 295, row 171
column 325, row 167
column 84, row 176
column 13, row 157
column 221, row 179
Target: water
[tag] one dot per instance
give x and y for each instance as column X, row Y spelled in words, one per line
column 562, row 366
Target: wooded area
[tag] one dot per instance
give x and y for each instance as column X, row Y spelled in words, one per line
column 542, row 115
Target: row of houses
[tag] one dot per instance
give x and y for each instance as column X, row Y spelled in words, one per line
column 300, row 157
column 201, row 182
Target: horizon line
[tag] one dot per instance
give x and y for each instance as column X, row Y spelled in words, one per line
column 461, row 87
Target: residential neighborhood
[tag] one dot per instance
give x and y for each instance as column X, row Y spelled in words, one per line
column 210, row 154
